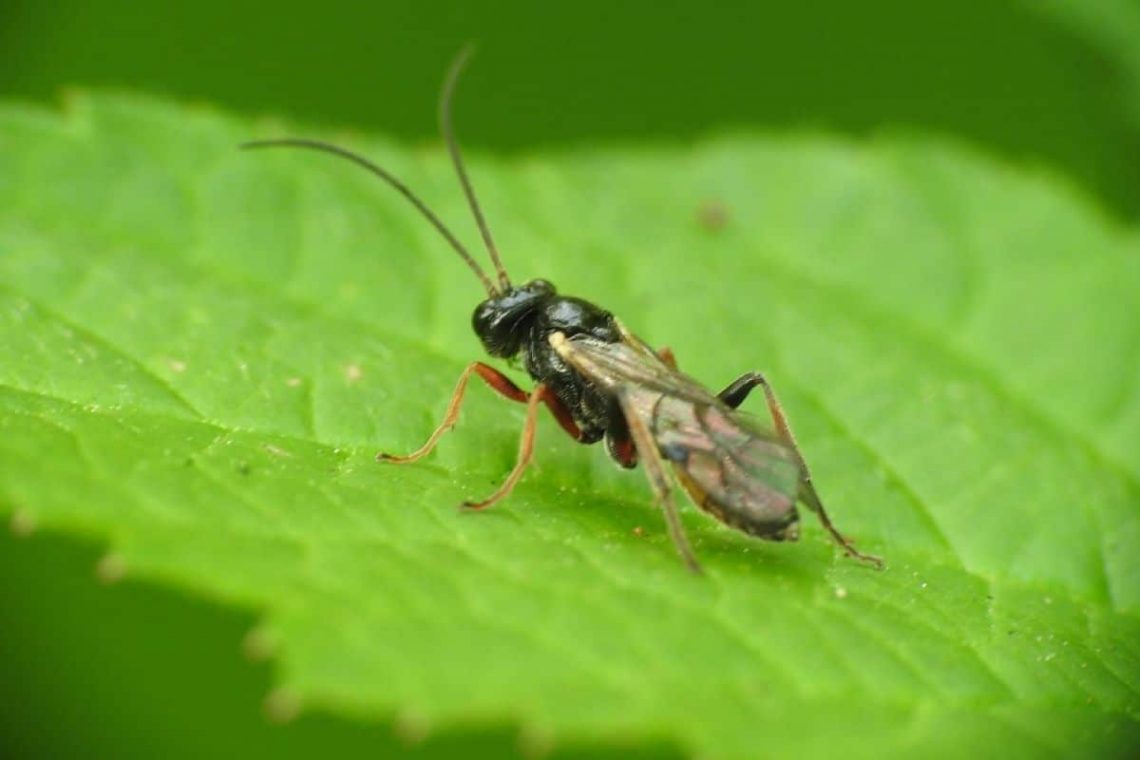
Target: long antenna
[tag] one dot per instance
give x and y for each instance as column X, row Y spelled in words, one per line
column 445, row 98
column 336, row 150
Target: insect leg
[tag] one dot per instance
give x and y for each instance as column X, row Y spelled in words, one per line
column 621, row 449
column 497, row 380
column 734, row 395
column 665, row 354
column 659, row 481
column 526, row 450
column 499, row 383
column 562, row 414
column 739, row 389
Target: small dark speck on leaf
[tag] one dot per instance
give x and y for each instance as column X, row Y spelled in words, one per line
column 713, row 215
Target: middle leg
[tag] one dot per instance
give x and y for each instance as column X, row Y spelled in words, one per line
column 650, row 456
column 526, row 450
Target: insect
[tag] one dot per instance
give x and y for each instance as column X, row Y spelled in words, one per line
column 601, row 382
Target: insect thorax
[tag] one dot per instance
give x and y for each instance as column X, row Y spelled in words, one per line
column 520, row 322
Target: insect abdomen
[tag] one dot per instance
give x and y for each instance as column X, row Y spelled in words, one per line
column 731, row 469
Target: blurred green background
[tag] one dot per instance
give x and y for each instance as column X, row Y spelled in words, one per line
column 1048, row 80
column 1051, row 82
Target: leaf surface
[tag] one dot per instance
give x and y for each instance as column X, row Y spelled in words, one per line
column 204, row 348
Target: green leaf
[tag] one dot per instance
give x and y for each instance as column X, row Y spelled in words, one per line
column 204, row 349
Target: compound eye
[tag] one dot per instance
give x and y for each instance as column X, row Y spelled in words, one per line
column 540, row 286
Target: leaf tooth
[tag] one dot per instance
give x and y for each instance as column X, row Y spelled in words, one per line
column 260, row 643
column 411, row 726
column 535, row 741
column 111, row 568
column 282, row 705
column 23, row 523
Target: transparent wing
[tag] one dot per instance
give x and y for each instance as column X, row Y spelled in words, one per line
column 731, row 466
column 630, row 364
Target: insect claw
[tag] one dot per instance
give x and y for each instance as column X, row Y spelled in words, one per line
column 849, row 549
column 383, row 456
column 869, row 558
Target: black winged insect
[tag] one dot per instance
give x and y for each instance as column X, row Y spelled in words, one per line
column 601, row 382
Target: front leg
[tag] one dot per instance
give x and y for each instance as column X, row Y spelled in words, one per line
column 501, row 384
